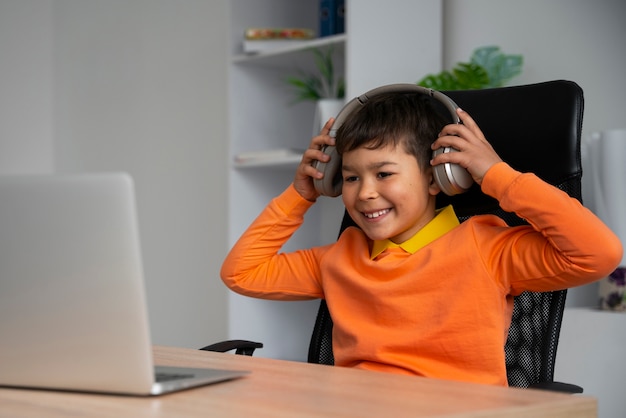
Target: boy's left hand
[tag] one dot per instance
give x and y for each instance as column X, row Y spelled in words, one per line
column 476, row 153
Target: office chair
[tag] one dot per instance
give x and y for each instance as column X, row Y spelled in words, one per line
column 534, row 128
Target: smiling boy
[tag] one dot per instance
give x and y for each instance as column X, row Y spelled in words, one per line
column 411, row 290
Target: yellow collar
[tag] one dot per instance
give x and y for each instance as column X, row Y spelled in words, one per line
column 445, row 219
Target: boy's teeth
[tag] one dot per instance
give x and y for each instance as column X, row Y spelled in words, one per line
column 376, row 214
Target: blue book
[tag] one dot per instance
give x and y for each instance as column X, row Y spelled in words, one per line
column 340, row 23
column 328, row 17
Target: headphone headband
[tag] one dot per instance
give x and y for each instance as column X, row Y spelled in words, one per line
column 359, row 101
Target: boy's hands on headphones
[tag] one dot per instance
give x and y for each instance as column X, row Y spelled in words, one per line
column 303, row 180
column 476, row 153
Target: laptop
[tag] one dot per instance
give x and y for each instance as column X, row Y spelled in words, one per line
column 73, row 312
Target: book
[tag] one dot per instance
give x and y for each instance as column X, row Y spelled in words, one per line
column 340, row 23
column 278, row 33
column 332, row 15
column 266, row 39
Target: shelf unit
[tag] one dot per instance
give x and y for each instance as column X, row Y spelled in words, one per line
column 399, row 41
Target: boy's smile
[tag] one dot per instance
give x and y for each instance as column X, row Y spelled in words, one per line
column 386, row 192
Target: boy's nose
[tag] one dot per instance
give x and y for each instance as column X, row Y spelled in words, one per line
column 368, row 190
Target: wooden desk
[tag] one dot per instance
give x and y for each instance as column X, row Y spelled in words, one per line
column 288, row 389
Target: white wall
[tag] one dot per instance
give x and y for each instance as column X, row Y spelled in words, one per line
column 141, row 88
column 26, row 121
column 578, row 40
column 138, row 86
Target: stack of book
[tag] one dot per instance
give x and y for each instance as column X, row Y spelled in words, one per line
column 265, row 39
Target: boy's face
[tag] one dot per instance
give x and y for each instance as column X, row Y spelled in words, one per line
column 386, row 192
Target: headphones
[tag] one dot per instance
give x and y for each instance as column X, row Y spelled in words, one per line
column 451, row 178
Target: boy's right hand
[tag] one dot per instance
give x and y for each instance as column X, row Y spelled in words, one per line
column 303, row 180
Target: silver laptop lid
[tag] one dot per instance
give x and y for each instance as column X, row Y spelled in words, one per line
column 72, row 303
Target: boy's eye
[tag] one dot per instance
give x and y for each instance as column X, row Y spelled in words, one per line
column 383, row 174
column 350, row 179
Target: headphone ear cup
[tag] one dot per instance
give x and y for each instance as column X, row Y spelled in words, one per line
column 451, row 178
column 330, row 184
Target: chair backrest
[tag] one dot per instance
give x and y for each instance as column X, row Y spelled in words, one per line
column 534, row 128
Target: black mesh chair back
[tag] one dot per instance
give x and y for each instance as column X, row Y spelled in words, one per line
column 534, row 128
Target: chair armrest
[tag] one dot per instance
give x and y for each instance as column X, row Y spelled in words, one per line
column 557, row 387
column 242, row 347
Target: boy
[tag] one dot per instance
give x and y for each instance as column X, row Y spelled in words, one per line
column 411, row 290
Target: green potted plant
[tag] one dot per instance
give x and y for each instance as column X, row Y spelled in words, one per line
column 323, row 87
column 488, row 67
column 324, row 84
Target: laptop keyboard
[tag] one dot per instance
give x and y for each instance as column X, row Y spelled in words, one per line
column 166, row 377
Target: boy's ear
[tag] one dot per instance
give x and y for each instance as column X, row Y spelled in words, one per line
column 433, row 186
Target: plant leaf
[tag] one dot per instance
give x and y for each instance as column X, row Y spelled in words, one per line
column 500, row 67
column 324, row 64
column 510, row 66
column 341, row 88
column 322, row 84
column 442, row 81
column 471, row 76
column 307, row 87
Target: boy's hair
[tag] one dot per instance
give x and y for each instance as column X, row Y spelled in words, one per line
column 407, row 119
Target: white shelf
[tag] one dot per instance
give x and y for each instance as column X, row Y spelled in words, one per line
column 280, row 162
column 286, row 55
column 276, row 158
